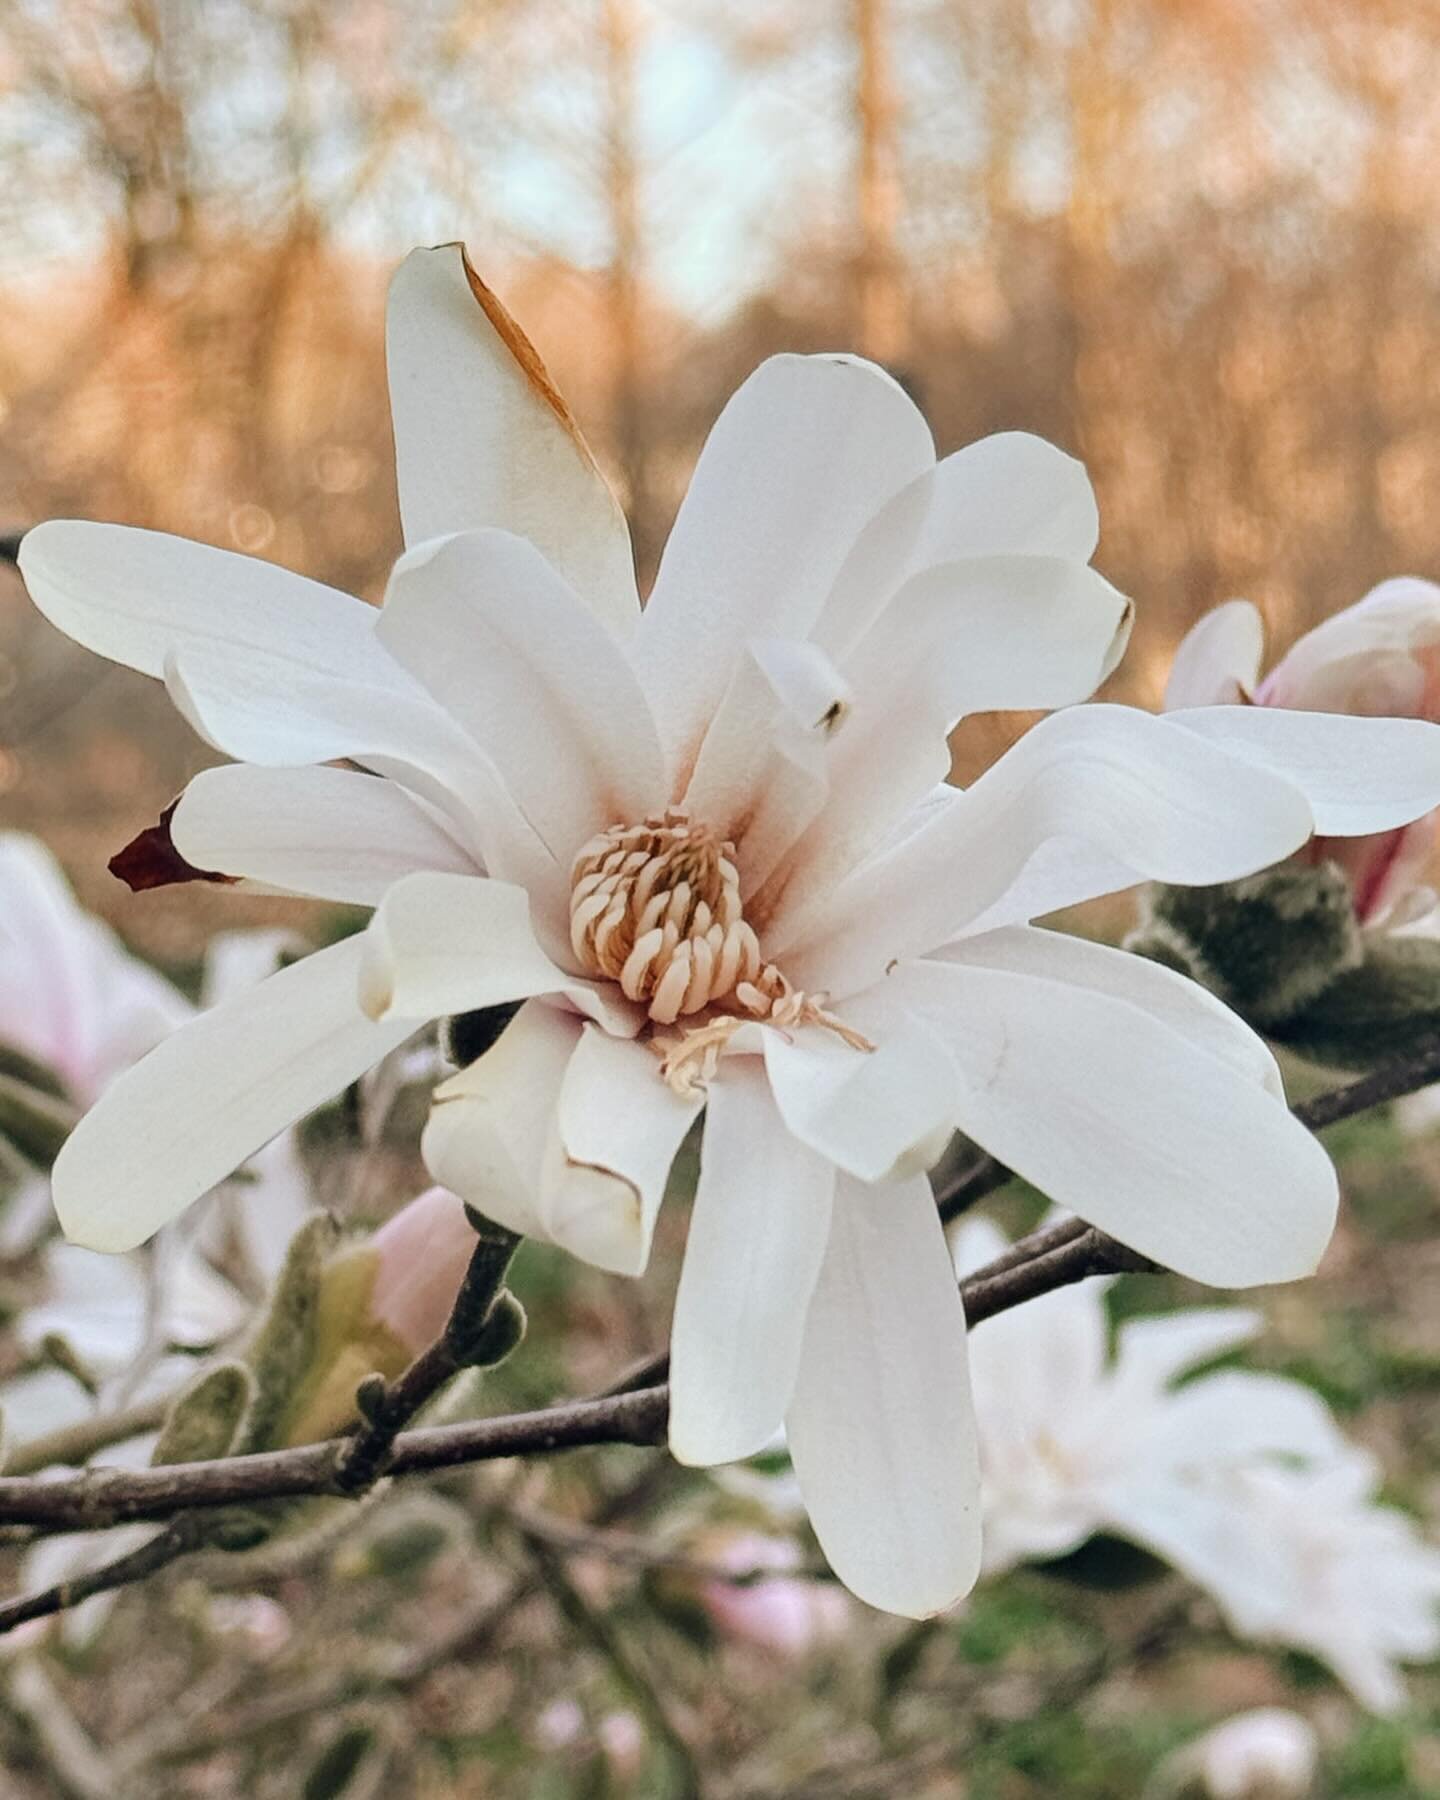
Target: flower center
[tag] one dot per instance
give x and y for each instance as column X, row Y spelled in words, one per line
column 656, row 907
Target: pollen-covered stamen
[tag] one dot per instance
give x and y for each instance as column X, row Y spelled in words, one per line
column 656, row 907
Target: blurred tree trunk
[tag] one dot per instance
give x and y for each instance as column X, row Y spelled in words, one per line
column 621, row 34
column 883, row 323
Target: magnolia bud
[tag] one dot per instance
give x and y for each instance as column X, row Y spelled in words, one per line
column 1266, row 946
column 423, row 1253
column 379, row 1304
column 205, row 1418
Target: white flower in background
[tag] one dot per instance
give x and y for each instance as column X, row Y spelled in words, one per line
column 706, row 846
column 1075, row 1440
column 76, row 1002
column 72, row 997
column 1305, row 1557
column 1268, row 1754
column 1242, row 1481
column 1377, row 659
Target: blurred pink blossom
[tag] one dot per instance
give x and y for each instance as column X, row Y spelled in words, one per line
column 72, row 997
column 789, row 1615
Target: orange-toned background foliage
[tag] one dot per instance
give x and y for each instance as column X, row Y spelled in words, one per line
column 1197, row 242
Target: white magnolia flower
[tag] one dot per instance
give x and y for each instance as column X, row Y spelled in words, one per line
column 1075, row 1440
column 72, row 997
column 704, row 845
column 1242, row 1481
column 1304, row 1556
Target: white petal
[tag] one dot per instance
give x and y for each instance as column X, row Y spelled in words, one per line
column 1359, row 775
column 864, row 1110
column 1000, row 632
column 1153, row 797
column 762, row 771
column 1152, row 1352
column 441, row 944
column 1011, row 494
column 1175, row 1151
column 212, row 1094
column 758, row 1232
column 1360, row 653
column 135, row 596
column 804, row 454
column 508, row 648
column 397, row 731
column 1173, row 999
column 482, row 438
column 491, row 1126
column 881, row 1428
column 993, row 633
column 1237, row 1415
column 329, row 833
column 1218, row 662
column 620, row 1127
column 268, row 666
column 1007, row 495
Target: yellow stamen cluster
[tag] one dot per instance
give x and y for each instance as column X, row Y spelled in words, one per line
column 656, row 907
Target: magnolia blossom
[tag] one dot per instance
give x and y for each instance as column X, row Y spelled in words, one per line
column 1075, row 1440
column 1379, row 658
column 72, row 997
column 705, row 845
column 77, row 1003
column 1306, row 1557
column 1242, row 1481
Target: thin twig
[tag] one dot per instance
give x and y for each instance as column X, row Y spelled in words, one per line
column 389, row 1407
column 1390, row 1082
column 146, row 1559
column 102, row 1497
column 970, row 1186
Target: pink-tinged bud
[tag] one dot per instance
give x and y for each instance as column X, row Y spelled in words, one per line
column 381, row 1303
column 1377, row 659
column 1380, row 659
column 788, row 1614
column 423, row 1253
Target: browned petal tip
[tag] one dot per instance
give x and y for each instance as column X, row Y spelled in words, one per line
column 526, row 355
column 150, row 860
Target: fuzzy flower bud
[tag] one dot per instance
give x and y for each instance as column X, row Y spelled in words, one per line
column 381, row 1303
